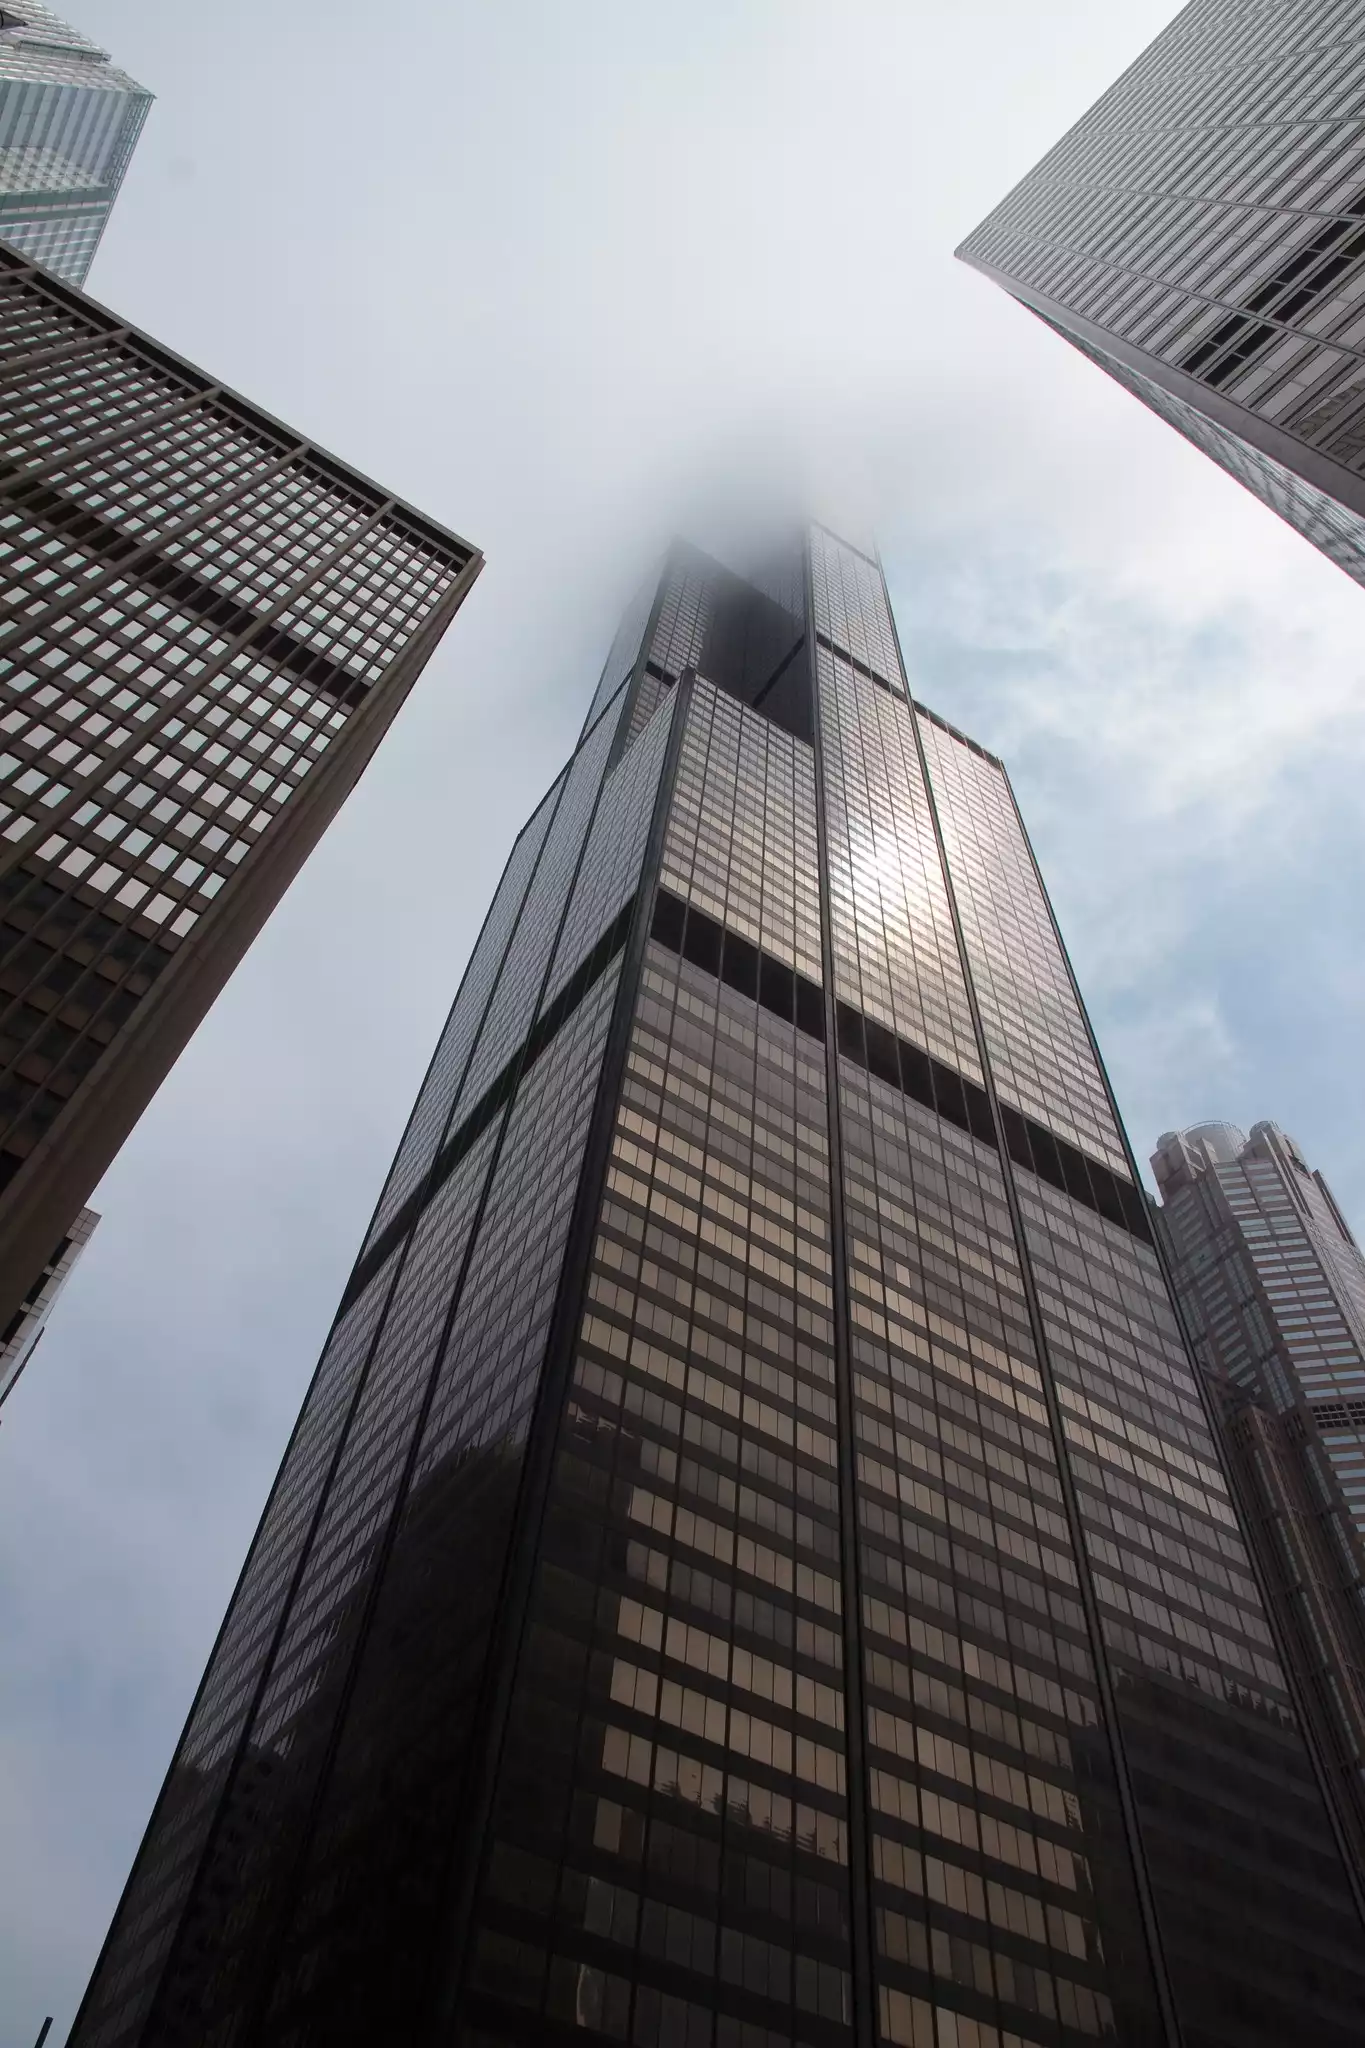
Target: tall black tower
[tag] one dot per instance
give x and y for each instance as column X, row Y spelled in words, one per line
column 752, row 1566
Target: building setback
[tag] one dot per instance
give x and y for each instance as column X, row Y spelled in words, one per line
column 1271, row 1285
column 69, row 121
column 752, row 1566
column 206, row 627
column 1200, row 234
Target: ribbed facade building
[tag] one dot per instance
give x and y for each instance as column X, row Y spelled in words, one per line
column 1200, row 234
column 206, row 626
column 69, row 121
column 1271, row 1284
column 753, row 1566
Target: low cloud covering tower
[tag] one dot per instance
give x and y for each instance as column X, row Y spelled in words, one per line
column 752, row 1567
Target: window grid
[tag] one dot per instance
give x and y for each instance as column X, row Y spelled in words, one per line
column 1207, row 211
column 683, row 1867
column 1040, row 1051
column 983, row 1720
column 741, row 840
column 197, row 612
column 895, row 952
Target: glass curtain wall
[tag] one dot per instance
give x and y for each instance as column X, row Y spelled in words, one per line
column 754, row 1567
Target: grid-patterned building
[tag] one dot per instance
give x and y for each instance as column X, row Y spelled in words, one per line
column 1271, row 1284
column 1200, row 234
column 69, row 121
column 753, row 1566
column 206, row 627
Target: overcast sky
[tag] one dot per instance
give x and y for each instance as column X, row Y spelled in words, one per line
column 570, row 276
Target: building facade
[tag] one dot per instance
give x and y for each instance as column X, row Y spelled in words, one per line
column 69, row 121
column 206, row 627
column 753, row 1566
column 1200, row 234
column 1271, row 1285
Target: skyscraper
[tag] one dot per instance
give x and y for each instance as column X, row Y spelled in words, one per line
column 19, row 1336
column 753, row 1566
column 208, row 625
column 69, row 120
column 1272, row 1287
column 1200, row 234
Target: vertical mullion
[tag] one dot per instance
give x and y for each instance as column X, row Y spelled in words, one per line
column 1089, row 1604
column 1246, row 1515
column 861, row 1945
column 257, row 2000
column 223, row 1800
column 469, row 1859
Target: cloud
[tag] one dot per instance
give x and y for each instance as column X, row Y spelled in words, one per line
column 1187, row 751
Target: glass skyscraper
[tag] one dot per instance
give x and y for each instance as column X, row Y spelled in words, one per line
column 1271, row 1284
column 1200, row 234
column 206, row 627
column 69, row 120
column 753, row 1566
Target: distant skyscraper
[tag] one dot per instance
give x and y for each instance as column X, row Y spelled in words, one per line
column 1200, row 234
column 19, row 1336
column 68, row 123
column 209, row 625
column 1272, row 1285
column 752, row 1567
